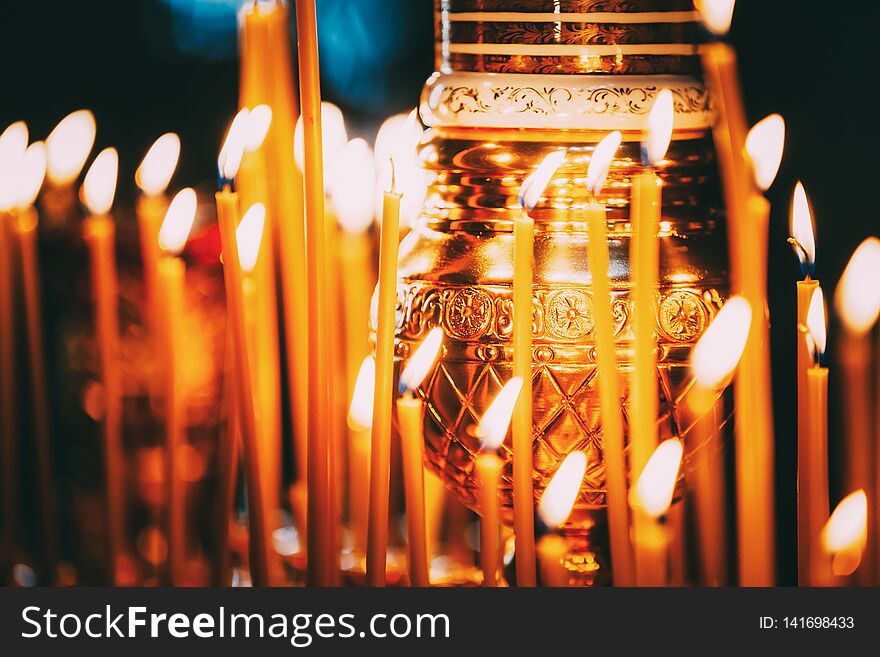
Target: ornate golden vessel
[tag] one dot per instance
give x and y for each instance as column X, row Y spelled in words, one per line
column 515, row 80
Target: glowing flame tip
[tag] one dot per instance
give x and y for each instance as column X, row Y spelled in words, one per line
column 536, row 182
column 99, row 185
column 562, row 491
column 765, row 145
column 600, row 163
column 659, row 129
column 249, row 236
column 493, row 427
column 717, row 353
column 656, row 485
column 420, row 363
column 857, row 297
column 178, row 221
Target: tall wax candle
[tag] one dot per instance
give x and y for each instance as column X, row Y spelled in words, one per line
column 170, row 274
column 606, row 356
column 380, row 445
column 322, row 560
column 857, row 301
column 804, row 245
column 99, row 232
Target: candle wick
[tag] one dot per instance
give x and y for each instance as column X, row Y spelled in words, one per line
column 803, row 258
column 393, row 176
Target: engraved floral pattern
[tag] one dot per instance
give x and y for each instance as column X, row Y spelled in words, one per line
column 682, row 315
column 570, row 314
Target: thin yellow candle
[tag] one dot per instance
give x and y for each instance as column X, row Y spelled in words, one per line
column 844, row 537
column 32, row 169
column 804, row 245
column 267, row 78
column 523, row 276
column 322, row 560
column 380, row 445
column 646, row 210
column 13, row 143
column 857, row 301
column 492, row 431
column 606, row 356
column 152, row 177
column 410, row 418
column 713, row 362
column 233, row 266
column 67, row 149
column 747, row 236
column 651, row 497
column 814, row 482
column 360, row 419
column 554, row 508
column 170, row 273
column 754, row 441
column 261, row 310
column 99, row 231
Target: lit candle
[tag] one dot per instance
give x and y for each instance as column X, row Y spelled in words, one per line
column 492, row 431
column 99, row 231
column 261, row 307
column 753, row 396
column 554, row 508
column 152, row 177
column 523, row 275
column 646, row 210
column 67, row 149
column 267, row 80
column 360, row 419
column 651, row 497
column 713, row 361
column 645, row 214
column 13, row 143
column 398, row 139
column 845, row 535
column 31, row 171
column 813, row 480
column 805, row 247
column 857, row 301
column 233, row 271
column 322, row 560
column 410, row 417
column 380, row 444
column 170, row 273
column 606, row 356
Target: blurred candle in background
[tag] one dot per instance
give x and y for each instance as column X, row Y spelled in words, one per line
column 152, row 177
column 857, row 301
column 67, row 149
column 554, row 508
column 99, row 231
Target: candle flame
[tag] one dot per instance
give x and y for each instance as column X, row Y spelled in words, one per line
column 659, row 131
column 233, row 148
column 352, row 186
column 360, row 411
column 816, row 322
column 496, row 420
column 249, row 236
column 656, row 485
column 99, row 185
column 600, row 163
column 764, row 145
column 802, row 229
column 334, row 136
column 13, row 143
column 846, row 532
column 178, row 221
column 857, row 297
column 562, row 491
column 420, row 363
column 259, row 121
column 536, row 182
column 716, row 355
column 31, row 173
column 157, row 167
column 69, row 145
column 716, row 14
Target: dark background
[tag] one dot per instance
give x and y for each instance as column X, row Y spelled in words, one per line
column 121, row 60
